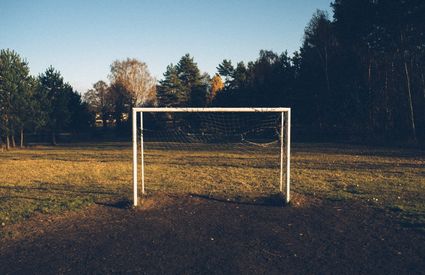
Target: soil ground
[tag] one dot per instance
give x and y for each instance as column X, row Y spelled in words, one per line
column 194, row 234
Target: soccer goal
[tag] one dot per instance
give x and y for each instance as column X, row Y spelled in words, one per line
column 249, row 147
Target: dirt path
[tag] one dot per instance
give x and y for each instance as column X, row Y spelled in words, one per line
column 189, row 234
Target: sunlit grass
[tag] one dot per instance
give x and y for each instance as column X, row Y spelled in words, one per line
column 54, row 179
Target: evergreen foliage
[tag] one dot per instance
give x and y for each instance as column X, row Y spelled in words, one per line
column 184, row 85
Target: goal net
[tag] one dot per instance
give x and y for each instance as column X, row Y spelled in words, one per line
column 230, row 153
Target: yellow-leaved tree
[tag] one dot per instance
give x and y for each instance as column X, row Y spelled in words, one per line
column 217, row 85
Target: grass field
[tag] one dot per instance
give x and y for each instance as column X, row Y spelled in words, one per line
column 55, row 179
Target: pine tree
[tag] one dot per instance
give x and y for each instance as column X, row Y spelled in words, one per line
column 183, row 85
column 54, row 98
column 226, row 70
column 170, row 92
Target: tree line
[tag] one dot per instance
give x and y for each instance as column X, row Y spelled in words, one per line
column 132, row 85
column 357, row 76
column 36, row 104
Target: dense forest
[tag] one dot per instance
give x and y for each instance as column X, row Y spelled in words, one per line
column 359, row 76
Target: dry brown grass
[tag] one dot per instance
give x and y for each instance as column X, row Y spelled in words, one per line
column 54, row 179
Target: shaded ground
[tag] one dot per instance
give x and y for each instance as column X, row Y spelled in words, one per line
column 191, row 234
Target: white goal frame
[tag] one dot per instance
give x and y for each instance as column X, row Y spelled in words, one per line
column 213, row 110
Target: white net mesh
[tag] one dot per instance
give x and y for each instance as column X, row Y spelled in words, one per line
column 223, row 155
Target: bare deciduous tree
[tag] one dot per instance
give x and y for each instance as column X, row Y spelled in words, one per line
column 133, row 75
column 100, row 101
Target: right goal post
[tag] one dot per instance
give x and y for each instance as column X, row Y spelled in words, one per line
column 250, row 126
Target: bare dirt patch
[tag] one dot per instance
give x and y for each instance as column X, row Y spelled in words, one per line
column 193, row 234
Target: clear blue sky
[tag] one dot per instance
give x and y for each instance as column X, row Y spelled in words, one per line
column 81, row 38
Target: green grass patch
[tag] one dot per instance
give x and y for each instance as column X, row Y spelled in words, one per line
column 55, row 179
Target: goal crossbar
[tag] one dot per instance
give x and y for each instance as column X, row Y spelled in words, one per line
column 209, row 110
column 142, row 110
